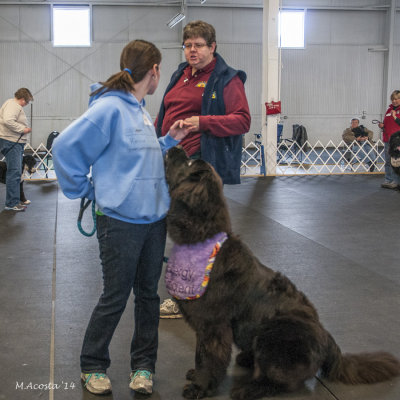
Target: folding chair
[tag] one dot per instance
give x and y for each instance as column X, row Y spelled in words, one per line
column 297, row 144
column 46, row 155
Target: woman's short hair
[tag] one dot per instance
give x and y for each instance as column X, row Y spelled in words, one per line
column 200, row 29
column 395, row 95
column 23, row 93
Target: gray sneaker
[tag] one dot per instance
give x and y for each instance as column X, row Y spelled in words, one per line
column 389, row 185
column 141, row 381
column 18, row 207
column 96, row 382
column 169, row 309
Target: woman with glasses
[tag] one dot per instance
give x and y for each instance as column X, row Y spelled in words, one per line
column 14, row 132
column 208, row 94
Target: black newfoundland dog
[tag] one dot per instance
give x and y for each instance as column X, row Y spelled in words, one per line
column 394, row 151
column 245, row 303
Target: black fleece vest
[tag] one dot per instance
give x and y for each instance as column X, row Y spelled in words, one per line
column 223, row 153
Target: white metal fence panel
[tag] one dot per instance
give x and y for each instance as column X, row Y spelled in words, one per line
column 291, row 159
column 317, row 159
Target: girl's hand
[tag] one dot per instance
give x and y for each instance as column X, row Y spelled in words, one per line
column 180, row 129
column 380, row 125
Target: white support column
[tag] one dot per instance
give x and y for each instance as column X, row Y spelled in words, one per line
column 270, row 81
column 185, row 11
column 389, row 68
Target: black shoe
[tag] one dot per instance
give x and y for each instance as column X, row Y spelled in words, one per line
column 372, row 168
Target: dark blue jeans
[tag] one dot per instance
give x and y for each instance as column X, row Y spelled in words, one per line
column 13, row 154
column 390, row 175
column 131, row 257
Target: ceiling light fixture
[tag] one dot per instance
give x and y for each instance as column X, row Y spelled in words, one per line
column 175, row 20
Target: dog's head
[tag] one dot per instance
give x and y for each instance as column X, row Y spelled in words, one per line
column 198, row 209
column 28, row 163
column 394, row 151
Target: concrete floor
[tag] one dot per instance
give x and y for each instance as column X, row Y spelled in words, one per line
column 336, row 237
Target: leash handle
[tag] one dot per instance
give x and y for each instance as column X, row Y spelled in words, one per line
column 82, row 209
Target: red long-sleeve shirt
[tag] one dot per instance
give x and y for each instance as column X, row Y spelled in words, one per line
column 391, row 125
column 184, row 100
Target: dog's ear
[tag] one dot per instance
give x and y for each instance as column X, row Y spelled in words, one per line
column 198, row 174
column 394, row 142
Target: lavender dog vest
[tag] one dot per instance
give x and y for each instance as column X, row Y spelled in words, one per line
column 189, row 267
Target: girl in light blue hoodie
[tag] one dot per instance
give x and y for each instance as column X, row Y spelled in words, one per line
column 115, row 140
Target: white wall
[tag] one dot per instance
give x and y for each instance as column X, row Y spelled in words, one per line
column 334, row 78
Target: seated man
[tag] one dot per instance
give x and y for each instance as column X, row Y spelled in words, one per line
column 360, row 139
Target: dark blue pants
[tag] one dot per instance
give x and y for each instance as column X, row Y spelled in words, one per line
column 13, row 154
column 131, row 257
column 390, row 175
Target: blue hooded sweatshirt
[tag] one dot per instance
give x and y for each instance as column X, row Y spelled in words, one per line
column 112, row 154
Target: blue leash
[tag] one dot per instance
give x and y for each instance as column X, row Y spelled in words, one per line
column 84, row 206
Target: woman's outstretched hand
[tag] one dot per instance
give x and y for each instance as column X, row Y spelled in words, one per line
column 179, row 129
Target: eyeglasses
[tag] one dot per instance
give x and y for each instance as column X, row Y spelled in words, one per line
column 197, row 46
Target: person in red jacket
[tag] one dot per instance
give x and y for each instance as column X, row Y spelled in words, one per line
column 390, row 125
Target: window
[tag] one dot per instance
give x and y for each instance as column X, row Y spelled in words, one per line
column 71, row 25
column 291, row 29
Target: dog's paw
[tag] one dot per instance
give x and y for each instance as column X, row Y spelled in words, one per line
column 192, row 391
column 190, row 374
column 240, row 393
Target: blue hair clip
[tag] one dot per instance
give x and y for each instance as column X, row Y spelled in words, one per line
column 128, row 70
